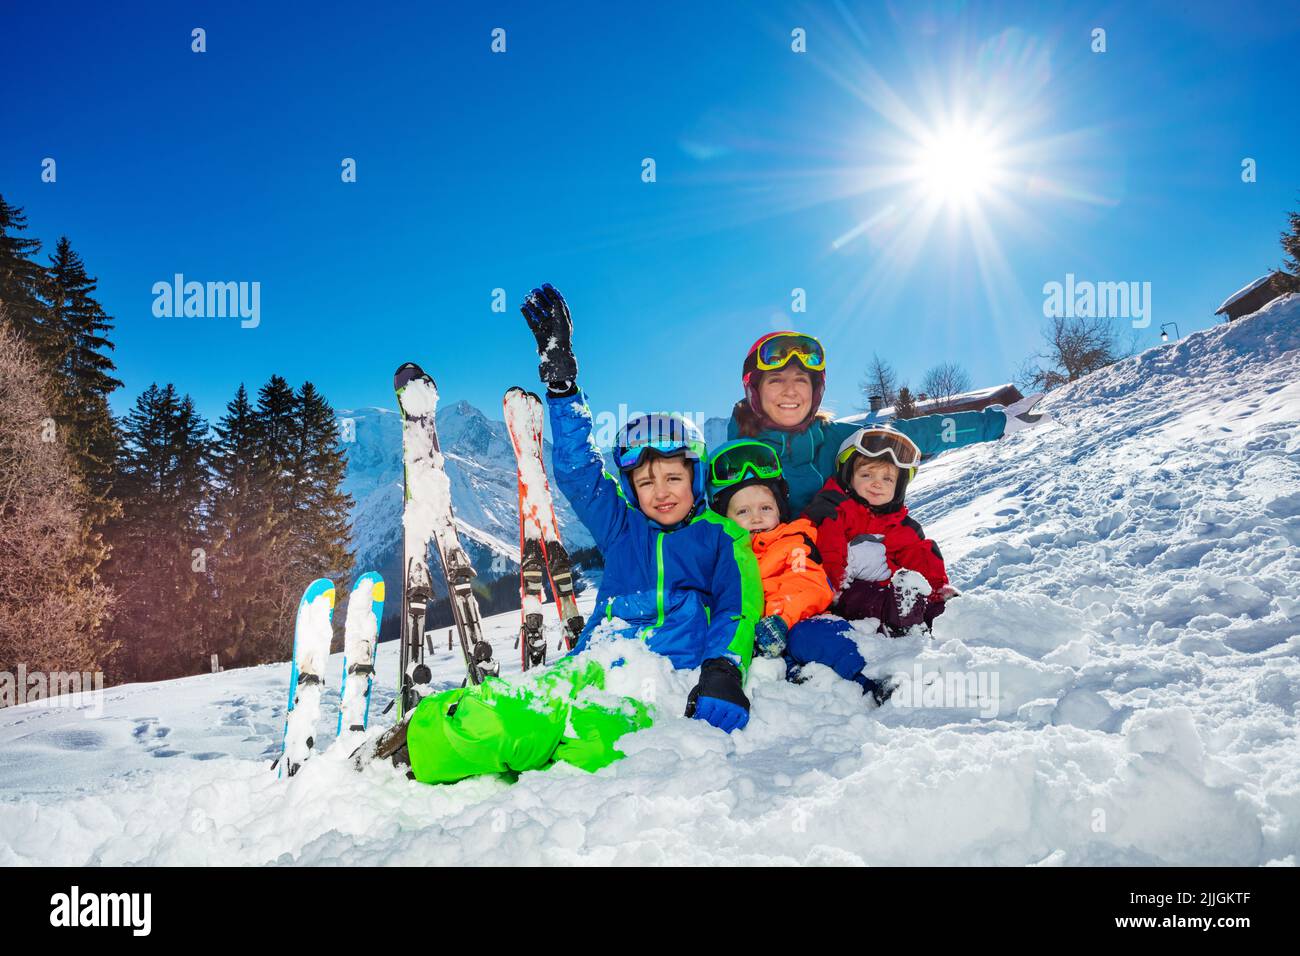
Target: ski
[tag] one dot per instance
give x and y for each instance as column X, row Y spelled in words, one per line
column 360, row 639
column 540, row 548
column 312, row 633
column 412, row 672
column 427, row 518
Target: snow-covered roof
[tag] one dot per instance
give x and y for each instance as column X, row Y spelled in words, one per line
column 1243, row 292
column 978, row 394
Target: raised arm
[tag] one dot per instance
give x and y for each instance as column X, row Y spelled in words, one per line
column 579, row 469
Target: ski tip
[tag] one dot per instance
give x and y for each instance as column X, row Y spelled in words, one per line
column 375, row 581
column 321, row 587
column 407, row 372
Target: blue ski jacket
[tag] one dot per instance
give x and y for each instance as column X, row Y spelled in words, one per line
column 808, row 457
column 692, row 592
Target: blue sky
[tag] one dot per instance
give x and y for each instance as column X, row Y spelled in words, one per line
column 775, row 170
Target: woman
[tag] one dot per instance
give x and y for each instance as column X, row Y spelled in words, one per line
column 784, row 378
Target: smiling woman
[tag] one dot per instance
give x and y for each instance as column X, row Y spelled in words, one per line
column 784, row 378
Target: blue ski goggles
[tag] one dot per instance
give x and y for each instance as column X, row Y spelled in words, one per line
column 633, row 455
column 658, row 434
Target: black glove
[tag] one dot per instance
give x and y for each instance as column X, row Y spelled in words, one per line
column 548, row 316
column 719, row 698
column 824, row 505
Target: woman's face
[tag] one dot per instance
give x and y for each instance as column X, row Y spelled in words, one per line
column 786, row 396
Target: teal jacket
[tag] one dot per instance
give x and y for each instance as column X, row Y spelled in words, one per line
column 808, row 457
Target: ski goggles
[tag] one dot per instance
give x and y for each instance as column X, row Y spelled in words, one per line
column 735, row 462
column 663, row 435
column 776, row 350
column 633, row 455
column 881, row 443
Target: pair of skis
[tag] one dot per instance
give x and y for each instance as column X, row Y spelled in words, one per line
column 541, row 553
column 429, row 523
column 312, row 633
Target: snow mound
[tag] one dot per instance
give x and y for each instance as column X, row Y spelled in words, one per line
column 1117, row 685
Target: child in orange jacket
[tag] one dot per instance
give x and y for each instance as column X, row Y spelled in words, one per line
column 745, row 484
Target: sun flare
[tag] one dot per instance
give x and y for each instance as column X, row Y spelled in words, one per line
column 956, row 165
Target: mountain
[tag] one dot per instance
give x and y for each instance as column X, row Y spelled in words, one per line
column 484, row 491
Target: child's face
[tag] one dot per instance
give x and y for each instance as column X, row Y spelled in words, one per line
column 786, row 395
column 875, row 480
column 663, row 489
column 754, row 509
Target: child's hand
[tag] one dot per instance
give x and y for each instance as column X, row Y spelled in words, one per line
column 718, row 698
column 866, row 560
column 548, row 317
column 948, row 592
column 824, row 505
column 769, row 636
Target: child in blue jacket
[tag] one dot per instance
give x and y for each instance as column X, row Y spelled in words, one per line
column 682, row 575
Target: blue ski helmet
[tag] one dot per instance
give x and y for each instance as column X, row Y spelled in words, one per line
column 662, row 435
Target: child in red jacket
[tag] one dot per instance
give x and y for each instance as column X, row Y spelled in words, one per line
column 878, row 559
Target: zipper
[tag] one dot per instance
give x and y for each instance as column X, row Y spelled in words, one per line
column 659, row 582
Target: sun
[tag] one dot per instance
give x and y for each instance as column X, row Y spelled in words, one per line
column 956, row 165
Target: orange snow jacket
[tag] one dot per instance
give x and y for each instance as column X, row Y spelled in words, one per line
column 795, row 585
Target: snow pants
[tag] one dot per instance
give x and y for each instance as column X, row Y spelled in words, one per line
column 825, row 640
column 496, row 727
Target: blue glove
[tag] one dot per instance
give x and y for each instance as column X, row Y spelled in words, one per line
column 722, row 714
column 770, row 634
column 719, row 698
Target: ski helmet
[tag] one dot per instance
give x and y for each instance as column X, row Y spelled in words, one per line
column 776, row 350
column 741, row 463
column 879, row 442
column 660, row 435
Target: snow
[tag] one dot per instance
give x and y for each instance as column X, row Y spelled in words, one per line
column 1116, row 685
column 1243, row 292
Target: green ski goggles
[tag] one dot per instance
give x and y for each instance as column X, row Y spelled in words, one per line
column 738, row 460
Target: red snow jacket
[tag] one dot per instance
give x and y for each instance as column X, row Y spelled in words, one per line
column 906, row 545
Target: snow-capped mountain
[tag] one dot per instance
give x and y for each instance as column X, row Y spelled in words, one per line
column 484, row 490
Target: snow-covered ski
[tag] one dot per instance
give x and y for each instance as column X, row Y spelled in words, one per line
column 412, row 672
column 312, row 633
column 541, row 551
column 427, row 518
column 360, row 639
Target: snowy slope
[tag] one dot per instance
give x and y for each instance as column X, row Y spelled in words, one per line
column 1129, row 634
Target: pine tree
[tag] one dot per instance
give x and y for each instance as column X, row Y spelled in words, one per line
column 241, row 530
column 905, row 407
column 276, row 442
column 155, row 567
column 321, row 508
column 1289, row 279
column 22, row 280
column 76, row 323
